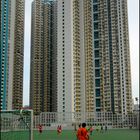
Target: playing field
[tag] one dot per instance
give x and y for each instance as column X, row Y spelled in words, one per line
column 71, row 135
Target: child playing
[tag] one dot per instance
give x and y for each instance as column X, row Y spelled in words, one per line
column 40, row 128
column 78, row 132
column 91, row 130
column 59, row 129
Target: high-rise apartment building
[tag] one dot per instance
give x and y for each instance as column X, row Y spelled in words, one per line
column 12, row 48
column 75, row 56
column 80, row 59
column 111, row 56
column 59, row 71
column 43, row 57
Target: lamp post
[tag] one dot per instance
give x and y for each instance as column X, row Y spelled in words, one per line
column 136, row 98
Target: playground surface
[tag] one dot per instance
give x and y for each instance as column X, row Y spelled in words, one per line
column 112, row 134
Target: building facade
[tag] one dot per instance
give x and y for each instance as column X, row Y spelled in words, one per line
column 75, row 56
column 56, row 83
column 111, row 56
column 43, row 86
column 80, row 59
column 12, row 48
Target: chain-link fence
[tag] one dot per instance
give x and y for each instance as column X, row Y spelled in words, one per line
column 70, row 120
column 17, row 124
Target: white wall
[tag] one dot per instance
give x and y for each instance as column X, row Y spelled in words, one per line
column 68, row 57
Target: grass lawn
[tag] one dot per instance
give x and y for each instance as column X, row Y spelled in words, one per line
column 119, row 134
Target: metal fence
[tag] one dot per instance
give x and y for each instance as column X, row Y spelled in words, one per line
column 15, row 124
column 70, row 120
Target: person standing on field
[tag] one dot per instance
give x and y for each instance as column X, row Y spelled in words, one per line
column 78, row 132
column 105, row 128
column 91, row 130
column 40, row 128
column 84, row 133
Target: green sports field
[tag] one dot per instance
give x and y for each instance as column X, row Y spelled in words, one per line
column 120, row 134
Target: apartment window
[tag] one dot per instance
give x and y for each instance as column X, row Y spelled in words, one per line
column 97, row 92
column 96, row 26
column 97, row 82
column 95, row 17
column 98, row 103
column 95, row 8
column 97, row 73
column 96, row 52
column 95, row 1
column 97, row 64
column 96, row 35
column 96, row 44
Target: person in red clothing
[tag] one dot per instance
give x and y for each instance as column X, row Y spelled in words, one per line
column 84, row 133
column 59, row 129
column 40, row 128
column 91, row 130
column 78, row 132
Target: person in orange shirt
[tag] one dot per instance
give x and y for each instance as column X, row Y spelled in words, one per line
column 78, row 132
column 84, row 133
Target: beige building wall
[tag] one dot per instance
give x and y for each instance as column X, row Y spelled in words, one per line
column 76, row 56
column 36, row 78
column 89, row 92
column 75, row 68
column 46, row 53
column 43, row 74
column 18, row 55
column 15, row 54
column 114, row 55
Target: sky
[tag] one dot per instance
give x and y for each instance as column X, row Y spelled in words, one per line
column 133, row 20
